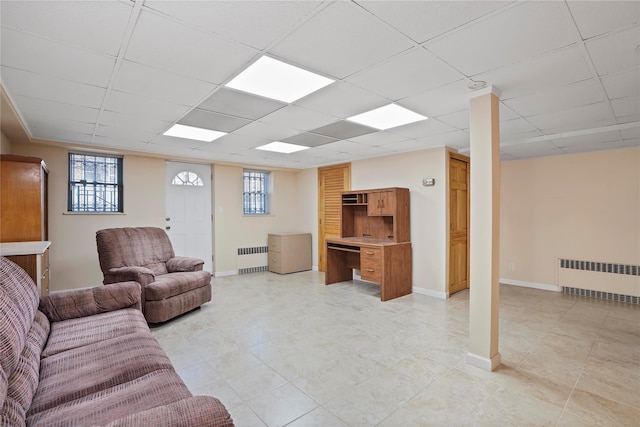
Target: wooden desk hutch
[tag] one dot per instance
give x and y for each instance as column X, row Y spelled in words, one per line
column 375, row 238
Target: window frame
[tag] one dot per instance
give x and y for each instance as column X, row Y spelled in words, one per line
column 265, row 193
column 118, row 185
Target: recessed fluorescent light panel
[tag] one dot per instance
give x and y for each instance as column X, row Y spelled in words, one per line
column 190, row 132
column 282, row 147
column 274, row 79
column 387, row 117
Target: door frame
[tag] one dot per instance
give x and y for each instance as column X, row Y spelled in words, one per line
column 467, row 160
column 321, row 203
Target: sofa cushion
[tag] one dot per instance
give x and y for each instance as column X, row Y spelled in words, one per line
column 19, row 302
column 132, row 246
column 173, row 284
column 81, row 331
column 23, row 382
column 87, row 370
column 157, row 388
column 157, row 267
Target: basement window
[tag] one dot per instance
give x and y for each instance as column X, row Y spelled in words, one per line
column 95, row 183
column 255, row 192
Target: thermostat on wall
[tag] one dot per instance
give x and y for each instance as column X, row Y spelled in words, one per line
column 428, row 182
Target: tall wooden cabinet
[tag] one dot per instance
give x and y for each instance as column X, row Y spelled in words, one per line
column 23, row 199
column 375, row 239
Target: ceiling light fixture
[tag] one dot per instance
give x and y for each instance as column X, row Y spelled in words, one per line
column 191, row 132
column 475, row 85
column 282, row 147
column 387, row 117
column 277, row 80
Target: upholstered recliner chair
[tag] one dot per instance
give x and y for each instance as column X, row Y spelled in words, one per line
column 171, row 285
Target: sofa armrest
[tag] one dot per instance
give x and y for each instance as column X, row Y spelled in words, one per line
column 141, row 275
column 181, row 263
column 87, row 302
column 192, row 411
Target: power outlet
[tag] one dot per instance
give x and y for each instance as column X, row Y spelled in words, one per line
column 512, row 266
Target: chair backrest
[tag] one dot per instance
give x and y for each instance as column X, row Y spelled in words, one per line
column 134, row 247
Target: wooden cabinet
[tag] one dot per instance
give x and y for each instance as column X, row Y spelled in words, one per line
column 375, row 239
column 33, row 257
column 23, row 199
column 289, row 252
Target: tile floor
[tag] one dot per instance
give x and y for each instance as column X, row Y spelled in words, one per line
column 288, row 350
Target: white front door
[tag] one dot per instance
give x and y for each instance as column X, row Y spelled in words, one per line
column 188, row 210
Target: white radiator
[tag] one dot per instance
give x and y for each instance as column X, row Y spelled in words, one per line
column 253, row 259
column 597, row 279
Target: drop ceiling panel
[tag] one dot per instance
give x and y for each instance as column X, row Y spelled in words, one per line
column 615, row 52
column 342, row 100
column 600, row 137
column 240, row 104
column 351, row 147
column 214, row 121
column 309, row 140
column 381, row 138
column 456, row 139
column 173, row 142
column 321, row 43
column 548, row 71
column 424, row 128
column 50, row 134
column 120, row 143
column 48, row 123
column 243, row 142
column 343, row 130
column 482, row 45
column 154, row 83
column 594, row 146
column 629, row 106
column 623, row 84
column 125, row 133
column 42, row 86
column 517, row 127
column 25, row 52
column 400, row 76
column 532, row 149
column 445, row 99
column 162, row 43
column 136, row 105
column 298, row 117
column 129, row 121
column 256, row 23
column 94, row 25
column 631, row 133
column 409, row 145
column 562, row 98
column 267, row 131
column 423, row 20
column 594, row 18
column 587, row 113
column 54, row 110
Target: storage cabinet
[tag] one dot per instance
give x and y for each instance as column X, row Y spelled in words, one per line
column 23, row 199
column 377, row 214
column 33, row 257
column 289, row 252
column 382, row 203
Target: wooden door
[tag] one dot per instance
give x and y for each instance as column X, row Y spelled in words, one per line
column 332, row 181
column 458, row 223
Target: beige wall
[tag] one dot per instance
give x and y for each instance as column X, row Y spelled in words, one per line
column 5, row 144
column 74, row 259
column 582, row 206
column 234, row 230
column 428, row 208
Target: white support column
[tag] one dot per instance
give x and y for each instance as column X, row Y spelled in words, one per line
column 484, row 230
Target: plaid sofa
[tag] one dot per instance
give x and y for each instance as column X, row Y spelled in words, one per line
column 87, row 357
column 171, row 285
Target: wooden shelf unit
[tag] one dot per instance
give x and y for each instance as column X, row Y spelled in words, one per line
column 375, row 239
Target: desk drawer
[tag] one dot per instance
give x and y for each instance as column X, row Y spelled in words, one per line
column 371, row 264
column 371, row 254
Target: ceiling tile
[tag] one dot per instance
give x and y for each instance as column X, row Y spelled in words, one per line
column 623, row 84
column 517, row 127
column 531, row 149
column 256, row 23
column 240, row 104
column 598, row 17
column 44, row 123
column 342, row 100
column 556, row 99
column 267, row 131
column 445, row 99
column 94, row 25
column 616, row 51
column 50, row 88
column 459, row 119
column 162, row 43
column 125, row 133
column 50, row 134
column 119, row 143
column 400, row 76
column 25, row 52
column 309, row 140
column 545, row 72
column 534, row 28
column 629, row 106
column 243, row 142
column 38, row 108
column 410, row 145
column 379, row 138
column 424, row 128
column 320, row 43
column 631, row 133
column 298, row 117
column 154, row 83
column 127, row 103
column 174, row 142
column 423, row 20
column 593, row 146
column 456, row 139
column 214, row 121
column 592, row 138
column 632, row 142
column 343, row 130
column 130, row 121
column 584, row 114
column 351, row 147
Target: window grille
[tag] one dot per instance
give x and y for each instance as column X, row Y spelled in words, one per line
column 187, row 178
column 255, row 192
column 95, row 183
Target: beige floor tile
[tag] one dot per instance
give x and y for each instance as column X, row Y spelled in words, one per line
column 509, row 408
column 199, row 375
column 282, row 405
column 601, row 410
column 221, row 390
column 255, row 382
column 569, row 419
column 319, row 417
column 243, row 416
column 614, row 381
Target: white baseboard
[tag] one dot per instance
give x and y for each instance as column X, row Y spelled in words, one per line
column 314, row 267
column 226, row 273
column 430, row 293
column 533, row 285
column 484, row 363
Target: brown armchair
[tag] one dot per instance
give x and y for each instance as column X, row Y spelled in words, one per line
column 171, row 285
